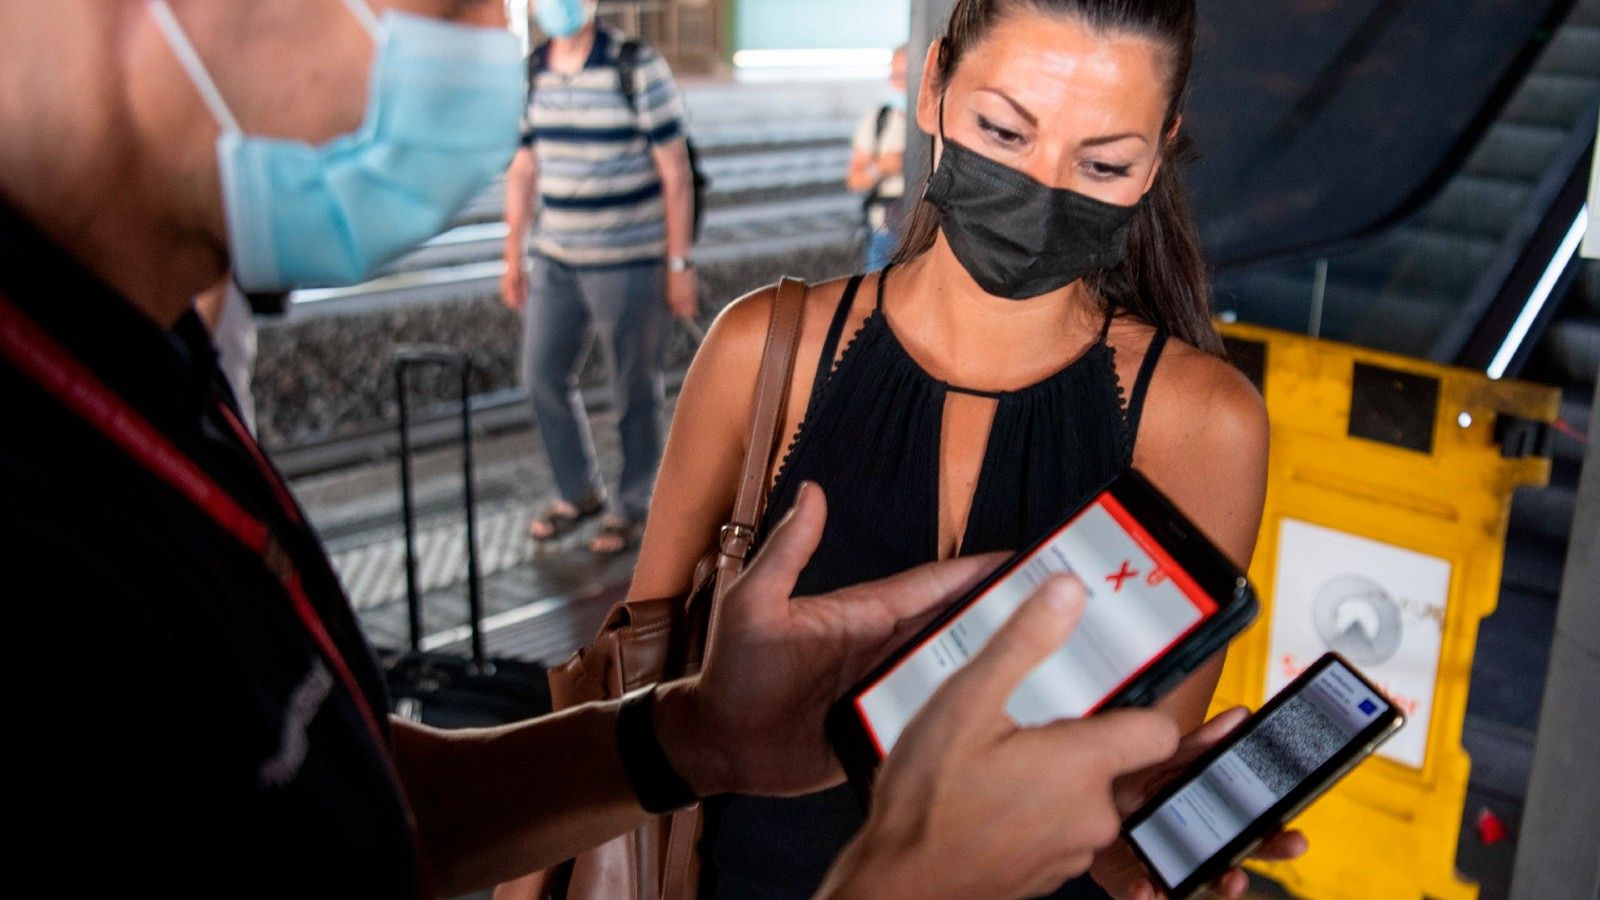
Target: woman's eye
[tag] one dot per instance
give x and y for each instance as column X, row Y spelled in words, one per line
column 1108, row 172
column 1003, row 135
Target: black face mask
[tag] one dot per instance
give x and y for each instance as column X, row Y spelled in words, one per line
column 1016, row 237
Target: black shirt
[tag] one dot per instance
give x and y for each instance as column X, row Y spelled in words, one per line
column 179, row 727
column 871, row 438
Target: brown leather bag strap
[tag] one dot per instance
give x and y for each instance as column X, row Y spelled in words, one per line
column 766, row 420
column 680, row 876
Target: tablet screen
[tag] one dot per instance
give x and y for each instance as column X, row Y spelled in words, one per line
column 1140, row 604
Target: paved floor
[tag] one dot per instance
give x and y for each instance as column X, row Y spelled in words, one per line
column 535, row 588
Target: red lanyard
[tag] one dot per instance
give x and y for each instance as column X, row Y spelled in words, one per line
column 50, row 365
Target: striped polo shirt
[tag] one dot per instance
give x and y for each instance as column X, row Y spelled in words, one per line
column 599, row 191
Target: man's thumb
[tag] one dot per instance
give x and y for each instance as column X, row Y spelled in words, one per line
column 788, row 548
column 1039, row 627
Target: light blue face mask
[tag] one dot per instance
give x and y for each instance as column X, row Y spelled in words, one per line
column 442, row 120
column 560, row 18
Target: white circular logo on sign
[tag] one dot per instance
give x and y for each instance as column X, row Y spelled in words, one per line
column 1356, row 617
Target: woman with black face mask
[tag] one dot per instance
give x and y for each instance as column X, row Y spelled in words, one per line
column 1044, row 326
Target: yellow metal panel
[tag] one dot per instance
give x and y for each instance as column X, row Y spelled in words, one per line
column 1390, row 829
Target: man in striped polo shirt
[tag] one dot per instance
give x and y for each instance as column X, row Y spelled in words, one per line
column 610, row 252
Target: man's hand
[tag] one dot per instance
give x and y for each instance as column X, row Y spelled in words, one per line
column 752, row 721
column 1120, row 873
column 683, row 294
column 522, row 180
column 972, row 804
column 514, row 283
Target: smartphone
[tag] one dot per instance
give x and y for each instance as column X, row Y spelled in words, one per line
column 1306, row 738
column 1162, row 599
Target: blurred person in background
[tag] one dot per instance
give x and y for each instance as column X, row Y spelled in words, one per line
column 1045, row 326
column 227, row 315
column 877, row 164
column 608, row 189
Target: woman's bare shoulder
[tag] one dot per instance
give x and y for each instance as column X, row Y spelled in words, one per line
column 1199, row 401
column 737, row 339
column 1189, row 388
column 1200, row 377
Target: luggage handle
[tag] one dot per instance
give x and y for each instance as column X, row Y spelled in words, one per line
column 407, row 357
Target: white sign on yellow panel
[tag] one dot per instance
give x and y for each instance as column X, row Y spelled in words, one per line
column 1380, row 606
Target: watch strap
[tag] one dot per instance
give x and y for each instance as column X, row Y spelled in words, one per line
column 655, row 782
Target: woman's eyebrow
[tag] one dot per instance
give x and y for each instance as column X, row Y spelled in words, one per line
column 1034, row 122
column 1113, row 138
column 1021, row 110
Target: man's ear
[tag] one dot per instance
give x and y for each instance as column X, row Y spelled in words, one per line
column 928, row 90
column 1161, row 158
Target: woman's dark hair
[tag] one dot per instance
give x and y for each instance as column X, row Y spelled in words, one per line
column 1163, row 278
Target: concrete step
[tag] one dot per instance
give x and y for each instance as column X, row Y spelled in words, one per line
column 1351, row 312
column 748, row 136
column 1477, row 205
column 715, row 104
column 1573, row 346
column 1585, row 12
column 734, row 225
column 1515, row 151
column 765, row 170
column 1418, row 259
column 1399, row 323
column 1552, row 99
column 1575, row 50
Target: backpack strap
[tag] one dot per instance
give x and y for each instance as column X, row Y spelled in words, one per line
column 628, row 66
column 884, row 112
column 538, row 61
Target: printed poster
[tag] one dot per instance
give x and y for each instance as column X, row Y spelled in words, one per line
column 1380, row 606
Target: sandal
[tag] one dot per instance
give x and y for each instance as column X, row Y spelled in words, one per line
column 617, row 532
column 559, row 518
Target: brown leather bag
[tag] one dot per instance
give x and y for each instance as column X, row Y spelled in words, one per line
column 646, row 641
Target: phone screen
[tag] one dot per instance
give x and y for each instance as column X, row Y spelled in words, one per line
column 1281, row 751
column 1140, row 604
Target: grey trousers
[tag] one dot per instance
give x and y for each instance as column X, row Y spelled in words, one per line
column 626, row 306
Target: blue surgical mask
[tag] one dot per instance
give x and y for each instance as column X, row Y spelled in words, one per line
column 560, row 18
column 442, row 120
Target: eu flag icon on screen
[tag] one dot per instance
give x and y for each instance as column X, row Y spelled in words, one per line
column 1367, row 707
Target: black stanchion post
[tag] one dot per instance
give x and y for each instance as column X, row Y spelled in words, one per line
column 413, row 595
column 469, row 491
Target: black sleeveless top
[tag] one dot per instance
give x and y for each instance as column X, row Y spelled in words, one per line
column 871, row 440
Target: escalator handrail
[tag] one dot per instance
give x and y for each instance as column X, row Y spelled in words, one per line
column 1487, row 320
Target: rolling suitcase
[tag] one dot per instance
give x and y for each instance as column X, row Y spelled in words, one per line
column 446, row 690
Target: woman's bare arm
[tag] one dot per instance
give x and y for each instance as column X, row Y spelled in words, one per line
column 700, row 468
column 1203, row 442
column 705, row 450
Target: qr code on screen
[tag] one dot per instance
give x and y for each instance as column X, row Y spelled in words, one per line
column 1291, row 744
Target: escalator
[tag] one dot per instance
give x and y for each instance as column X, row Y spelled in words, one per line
column 1404, row 191
column 1419, row 287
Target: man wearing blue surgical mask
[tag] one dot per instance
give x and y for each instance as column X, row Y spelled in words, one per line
column 606, row 166
column 198, row 711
